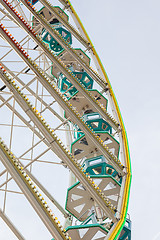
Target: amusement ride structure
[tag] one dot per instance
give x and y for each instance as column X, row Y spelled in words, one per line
column 63, row 145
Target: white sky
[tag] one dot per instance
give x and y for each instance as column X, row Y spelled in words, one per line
column 126, row 35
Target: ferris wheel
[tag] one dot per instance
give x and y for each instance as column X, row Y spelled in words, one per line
column 65, row 167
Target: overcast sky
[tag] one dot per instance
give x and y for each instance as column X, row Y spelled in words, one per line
column 126, row 35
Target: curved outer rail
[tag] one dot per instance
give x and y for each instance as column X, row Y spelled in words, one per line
column 57, row 146
column 116, row 163
column 124, row 206
column 116, row 231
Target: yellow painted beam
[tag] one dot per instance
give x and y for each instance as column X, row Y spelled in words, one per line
column 124, row 208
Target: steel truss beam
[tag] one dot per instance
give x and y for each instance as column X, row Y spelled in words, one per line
column 31, row 198
column 63, row 104
column 59, row 150
column 11, row 226
column 58, row 63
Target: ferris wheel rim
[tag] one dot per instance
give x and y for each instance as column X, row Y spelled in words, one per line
column 124, row 204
